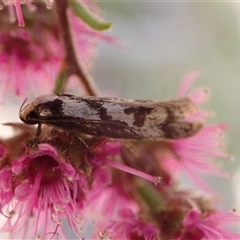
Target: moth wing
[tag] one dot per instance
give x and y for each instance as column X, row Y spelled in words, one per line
column 121, row 118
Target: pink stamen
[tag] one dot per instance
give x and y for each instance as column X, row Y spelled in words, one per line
column 130, row 170
column 188, row 81
column 21, row 22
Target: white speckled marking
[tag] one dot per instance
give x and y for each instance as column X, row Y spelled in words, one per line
column 78, row 109
column 45, row 98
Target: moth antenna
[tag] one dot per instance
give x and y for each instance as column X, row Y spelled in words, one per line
column 22, row 106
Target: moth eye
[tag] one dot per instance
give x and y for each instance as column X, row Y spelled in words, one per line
column 30, row 118
column 32, row 114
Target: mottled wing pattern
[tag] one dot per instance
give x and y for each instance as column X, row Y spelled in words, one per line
column 120, row 118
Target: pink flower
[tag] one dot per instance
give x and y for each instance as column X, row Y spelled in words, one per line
column 213, row 226
column 49, row 188
column 17, row 5
column 111, row 149
column 129, row 226
column 108, row 195
column 26, row 64
column 31, row 57
column 194, row 154
column 2, row 151
column 39, row 192
column 15, row 9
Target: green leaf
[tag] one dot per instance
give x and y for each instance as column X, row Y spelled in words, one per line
column 82, row 12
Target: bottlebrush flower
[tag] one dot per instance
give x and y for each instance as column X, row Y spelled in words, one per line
column 184, row 215
column 29, row 61
column 38, row 191
column 19, row 15
column 110, row 191
column 212, row 226
column 195, row 154
column 129, row 226
column 31, row 57
column 56, row 178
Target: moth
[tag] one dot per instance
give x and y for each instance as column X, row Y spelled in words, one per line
column 113, row 117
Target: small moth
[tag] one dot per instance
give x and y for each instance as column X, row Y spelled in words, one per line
column 113, row 117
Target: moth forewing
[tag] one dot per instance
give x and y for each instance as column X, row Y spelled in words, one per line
column 113, row 117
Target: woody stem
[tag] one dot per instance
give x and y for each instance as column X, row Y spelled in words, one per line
column 74, row 66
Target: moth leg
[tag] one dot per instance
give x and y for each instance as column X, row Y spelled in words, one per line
column 131, row 148
column 82, row 140
column 92, row 158
column 38, row 132
column 85, row 144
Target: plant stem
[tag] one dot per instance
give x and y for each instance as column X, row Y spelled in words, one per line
column 61, row 79
column 73, row 65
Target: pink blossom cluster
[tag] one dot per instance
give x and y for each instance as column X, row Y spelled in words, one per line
column 40, row 44
column 98, row 188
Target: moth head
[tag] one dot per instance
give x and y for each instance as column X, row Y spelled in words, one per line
column 36, row 111
column 27, row 113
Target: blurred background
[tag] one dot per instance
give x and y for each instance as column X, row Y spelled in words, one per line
column 159, row 43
